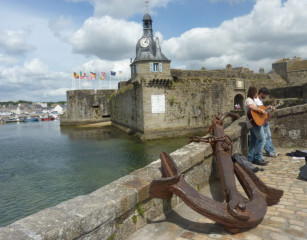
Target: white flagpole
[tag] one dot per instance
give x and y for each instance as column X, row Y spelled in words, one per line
column 110, row 81
column 79, row 83
column 72, row 83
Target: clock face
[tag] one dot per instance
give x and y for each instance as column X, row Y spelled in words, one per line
column 144, row 42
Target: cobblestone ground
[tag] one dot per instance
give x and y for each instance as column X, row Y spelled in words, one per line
column 286, row 220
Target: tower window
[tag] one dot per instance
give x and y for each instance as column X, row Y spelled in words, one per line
column 156, row 67
column 147, row 24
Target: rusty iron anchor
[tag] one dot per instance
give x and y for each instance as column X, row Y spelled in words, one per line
column 236, row 212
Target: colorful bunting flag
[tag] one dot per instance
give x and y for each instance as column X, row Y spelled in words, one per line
column 93, row 75
column 113, row 73
column 120, row 72
column 102, row 77
column 76, row 75
column 103, row 73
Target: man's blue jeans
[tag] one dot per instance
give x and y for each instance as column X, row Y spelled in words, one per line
column 268, row 144
column 256, row 144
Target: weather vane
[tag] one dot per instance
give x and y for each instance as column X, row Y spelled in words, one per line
column 147, row 5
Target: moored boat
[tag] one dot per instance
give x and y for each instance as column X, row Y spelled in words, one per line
column 31, row 119
column 12, row 120
column 50, row 118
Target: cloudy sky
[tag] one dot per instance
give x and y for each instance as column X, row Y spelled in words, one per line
column 42, row 42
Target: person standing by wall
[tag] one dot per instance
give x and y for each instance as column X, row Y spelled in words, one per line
column 256, row 141
column 268, row 144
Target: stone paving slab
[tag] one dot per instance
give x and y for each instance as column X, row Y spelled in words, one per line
column 286, row 220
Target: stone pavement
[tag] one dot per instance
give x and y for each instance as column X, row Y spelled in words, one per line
column 286, row 220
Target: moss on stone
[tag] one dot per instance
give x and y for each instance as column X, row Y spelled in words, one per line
column 140, row 209
column 121, row 91
column 112, row 237
column 134, row 219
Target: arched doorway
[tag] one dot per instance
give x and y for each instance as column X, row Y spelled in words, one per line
column 238, row 102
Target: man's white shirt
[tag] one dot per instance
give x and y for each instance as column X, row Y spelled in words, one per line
column 258, row 101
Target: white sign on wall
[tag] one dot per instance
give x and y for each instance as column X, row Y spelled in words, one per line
column 158, row 103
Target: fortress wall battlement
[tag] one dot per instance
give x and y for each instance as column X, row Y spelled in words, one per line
column 290, row 92
column 86, row 106
column 223, row 74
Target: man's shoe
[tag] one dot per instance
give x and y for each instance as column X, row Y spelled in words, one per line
column 273, row 154
column 260, row 163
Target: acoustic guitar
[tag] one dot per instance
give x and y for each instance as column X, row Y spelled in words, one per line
column 259, row 119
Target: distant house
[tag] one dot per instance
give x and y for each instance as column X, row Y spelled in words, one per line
column 36, row 108
column 17, row 110
column 58, row 108
column 5, row 112
column 43, row 105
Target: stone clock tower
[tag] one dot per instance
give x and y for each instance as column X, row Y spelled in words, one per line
column 149, row 63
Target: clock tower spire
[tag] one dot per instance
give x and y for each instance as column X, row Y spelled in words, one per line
column 148, row 52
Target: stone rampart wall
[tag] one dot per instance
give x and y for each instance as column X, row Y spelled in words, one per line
column 118, row 209
column 127, row 108
column 190, row 107
column 281, row 69
column 294, row 72
column 297, row 77
column 222, row 74
column 297, row 64
column 86, row 106
column 289, row 127
column 290, row 92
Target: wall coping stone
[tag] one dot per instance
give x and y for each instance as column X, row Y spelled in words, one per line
column 290, row 110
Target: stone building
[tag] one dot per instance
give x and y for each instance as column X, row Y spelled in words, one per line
column 162, row 102
column 293, row 71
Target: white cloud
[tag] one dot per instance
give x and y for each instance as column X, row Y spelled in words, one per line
column 14, row 42
column 61, row 26
column 8, row 60
column 124, row 8
column 28, row 73
column 271, row 31
column 98, row 66
column 107, row 38
column 33, row 81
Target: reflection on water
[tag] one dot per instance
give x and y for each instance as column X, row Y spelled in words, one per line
column 43, row 164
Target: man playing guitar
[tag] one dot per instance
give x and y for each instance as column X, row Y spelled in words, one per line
column 268, row 144
column 256, row 141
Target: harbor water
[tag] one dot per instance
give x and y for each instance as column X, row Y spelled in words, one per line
column 43, row 164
